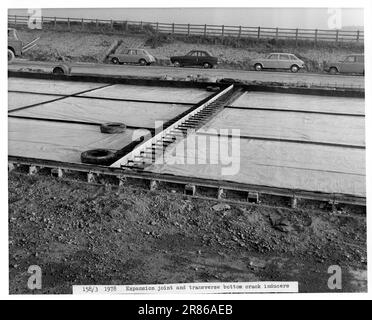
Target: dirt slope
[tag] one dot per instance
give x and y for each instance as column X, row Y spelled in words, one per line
column 86, row 234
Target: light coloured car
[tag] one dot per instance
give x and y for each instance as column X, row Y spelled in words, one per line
column 283, row 61
column 135, row 56
column 353, row 63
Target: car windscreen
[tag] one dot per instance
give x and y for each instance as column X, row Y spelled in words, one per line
column 12, row 34
column 350, row 59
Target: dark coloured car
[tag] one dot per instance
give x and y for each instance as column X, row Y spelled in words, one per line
column 353, row 63
column 195, row 58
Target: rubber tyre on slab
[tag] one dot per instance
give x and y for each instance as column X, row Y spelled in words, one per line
column 98, row 156
column 213, row 89
column 113, row 127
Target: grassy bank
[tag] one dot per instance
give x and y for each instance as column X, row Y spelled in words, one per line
column 232, row 53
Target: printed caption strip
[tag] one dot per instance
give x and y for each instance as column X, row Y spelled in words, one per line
column 191, row 288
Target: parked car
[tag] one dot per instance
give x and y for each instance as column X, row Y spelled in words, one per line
column 195, row 58
column 128, row 55
column 15, row 45
column 278, row 61
column 353, row 63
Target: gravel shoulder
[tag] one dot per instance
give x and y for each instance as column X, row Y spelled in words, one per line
column 183, row 74
column 88, row 234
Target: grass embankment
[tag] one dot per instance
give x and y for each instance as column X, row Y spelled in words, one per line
column 72, row 46
column 232, row 53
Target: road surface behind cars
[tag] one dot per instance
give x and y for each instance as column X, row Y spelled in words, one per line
column 349, row 81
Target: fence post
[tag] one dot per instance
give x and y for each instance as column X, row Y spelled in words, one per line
column 357, row 37
column 296, row 37
column 238, row 38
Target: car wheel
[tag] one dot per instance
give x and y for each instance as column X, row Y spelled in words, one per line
column 62, row 69
column 58, row 70
column 333, row 70
column 258, row 67
column 115, row 60
column 207, row 65
column 176, row 64
column 295, row 68
column 11, row 55
column 142, row 62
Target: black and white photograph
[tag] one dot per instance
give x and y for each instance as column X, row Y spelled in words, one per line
column 186, row 150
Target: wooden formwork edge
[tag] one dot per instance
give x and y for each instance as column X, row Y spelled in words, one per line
column 221, row 186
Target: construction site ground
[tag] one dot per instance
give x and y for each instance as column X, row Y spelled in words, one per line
column 81, row 233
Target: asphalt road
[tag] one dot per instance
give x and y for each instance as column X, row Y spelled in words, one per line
column 350, row 81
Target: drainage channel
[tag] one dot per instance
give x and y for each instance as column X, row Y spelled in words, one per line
column 147, row 153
